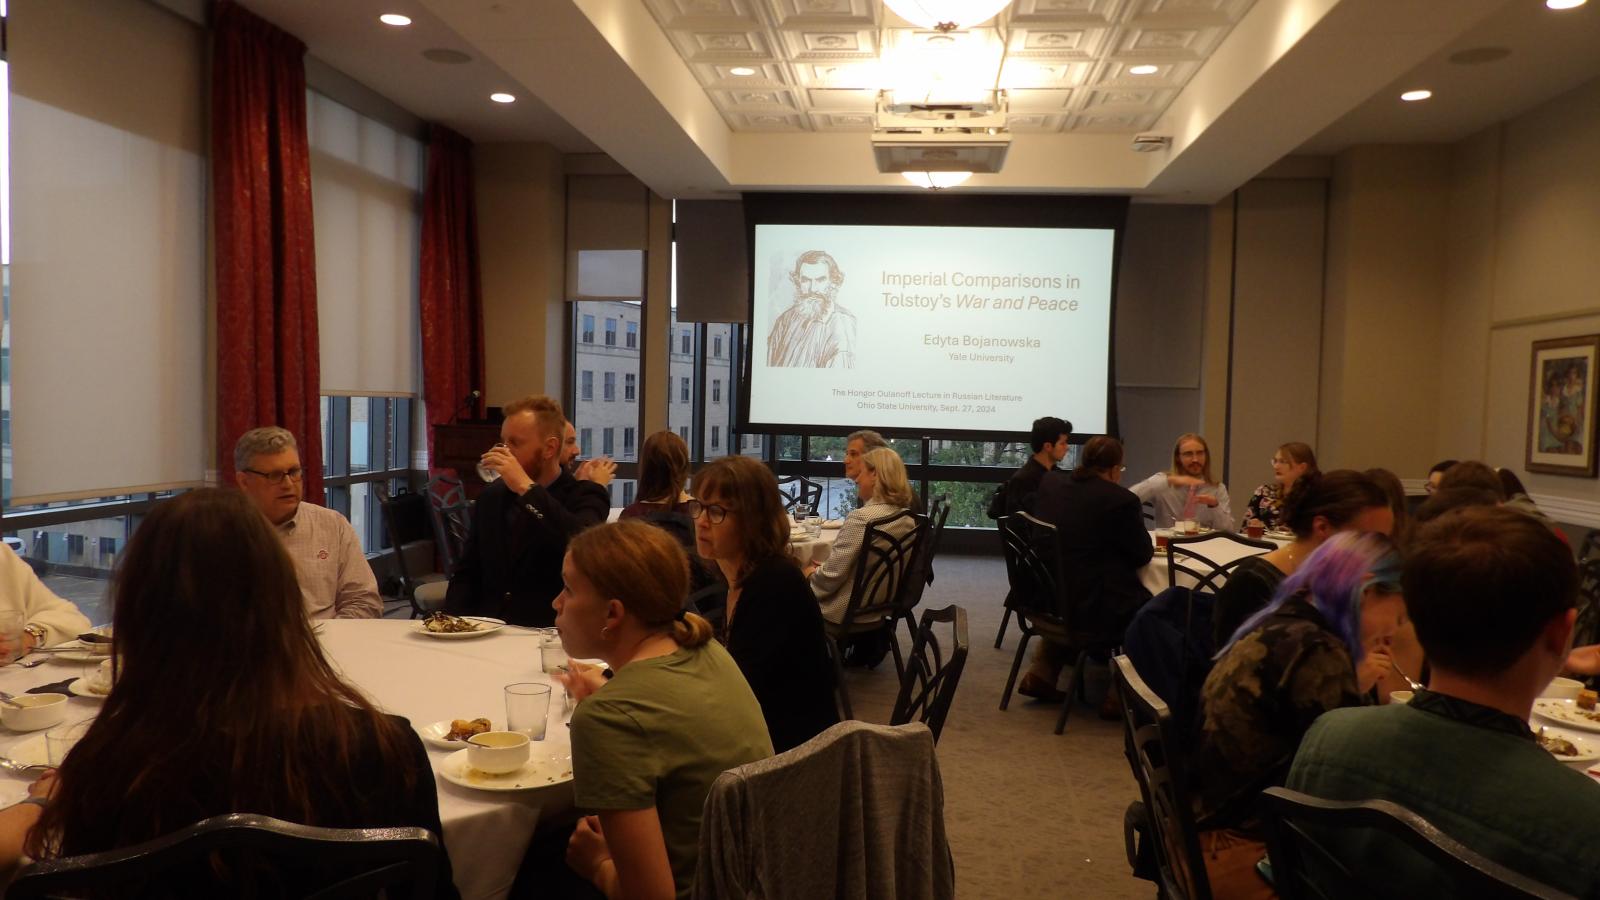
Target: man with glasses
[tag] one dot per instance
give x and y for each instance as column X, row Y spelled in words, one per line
column 333, row 572
column 1187, row 492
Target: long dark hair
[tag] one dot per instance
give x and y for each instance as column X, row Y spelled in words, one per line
column 223, row 700
column 663, row 468
column 751, row 490
column 1338, row 496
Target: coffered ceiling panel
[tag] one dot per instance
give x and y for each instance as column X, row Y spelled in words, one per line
column 816, row 65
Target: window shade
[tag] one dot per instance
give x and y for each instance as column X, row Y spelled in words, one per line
column 108, row 250
column 366, row 182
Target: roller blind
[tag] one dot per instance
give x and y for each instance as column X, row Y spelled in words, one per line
column 107, row 267
column 366, row 182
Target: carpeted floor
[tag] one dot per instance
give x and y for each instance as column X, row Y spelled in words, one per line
column 1028, row 813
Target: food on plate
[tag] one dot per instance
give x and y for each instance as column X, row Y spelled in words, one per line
column 461, row 729
column 444, row 623
column 1557, row 745
column 1587, row 698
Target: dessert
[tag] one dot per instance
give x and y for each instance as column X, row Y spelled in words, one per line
column 1586, row 699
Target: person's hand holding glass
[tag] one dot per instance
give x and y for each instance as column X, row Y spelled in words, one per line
column 499, row 462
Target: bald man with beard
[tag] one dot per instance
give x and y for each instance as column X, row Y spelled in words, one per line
column 815, row 332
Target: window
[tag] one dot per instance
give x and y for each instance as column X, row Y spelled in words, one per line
column 688, row 345
column 716, row 437
column 633, row 335
column 588, row 329
column 365, row 440
column 716, row 389
column 629, row 387
column 611, row 386
column 611, row 332
column 586, row 441
column 586, row 392
column 627, row 493
column 683, row 389
column 602, row 373
column 683, row 432
column 608, row 444
column 716, row 346
column 627, row 443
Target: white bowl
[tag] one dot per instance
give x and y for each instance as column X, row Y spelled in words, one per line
column 1563, row 689
column 498, row 752
column 1398, row 697
column 37, row 711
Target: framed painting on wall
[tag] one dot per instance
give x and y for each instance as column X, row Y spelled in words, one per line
column 1561, row 413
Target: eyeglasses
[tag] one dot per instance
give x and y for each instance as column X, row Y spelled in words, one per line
column 1191, row 454
column 711, row 511
column 1279, row 461
column 278, row 476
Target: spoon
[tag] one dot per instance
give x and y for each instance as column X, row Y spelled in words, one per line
column 9, row 700
column 11, row 765
column 1415, row 685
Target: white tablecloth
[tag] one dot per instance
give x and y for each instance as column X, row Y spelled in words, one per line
column 808, row 550
column 1221, row 551
column 424, row 679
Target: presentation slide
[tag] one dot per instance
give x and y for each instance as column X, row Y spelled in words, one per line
column 933, row 329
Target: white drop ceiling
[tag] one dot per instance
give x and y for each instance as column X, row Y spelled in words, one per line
column 1239, row 84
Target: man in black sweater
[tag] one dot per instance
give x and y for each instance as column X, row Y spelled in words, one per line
column 511, row 567
column 1049, row 440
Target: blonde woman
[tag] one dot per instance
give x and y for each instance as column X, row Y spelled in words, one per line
column 647, row 743
column 881, row 481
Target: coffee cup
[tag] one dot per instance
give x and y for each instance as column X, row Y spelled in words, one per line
column 1563, row 689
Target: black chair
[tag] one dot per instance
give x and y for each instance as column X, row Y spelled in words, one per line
column 452, row 519
column 407, row 519
column 916, row 582
column 1209, row 576
column 938, row 512
column 1033, row 562
column 1304, row 866
column 238, row 854
column 884, row 568
column 798, row 489
column 929, row 683
column 1149, row 510
column 1154, row 749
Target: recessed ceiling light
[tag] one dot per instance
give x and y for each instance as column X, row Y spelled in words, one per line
column 395, row 19
column 742, row 71
column 502, row 98
column 1144, row 70
column 1414, row 96
column 1564, row 4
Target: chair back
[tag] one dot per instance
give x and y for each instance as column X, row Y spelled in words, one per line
column 938, row 512
column 884, row 566
column 1154, row 750
column 406, row 521
column 1169, row 642
column 1209, row 575
column 799, row 489
column 929, row 683
column 920, row 575
column 452, row 519
column 1305, row 866
column 240, row 855
column 1587, row 629
column 1032, row 560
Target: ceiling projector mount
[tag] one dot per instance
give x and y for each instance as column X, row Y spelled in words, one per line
column 919, row 136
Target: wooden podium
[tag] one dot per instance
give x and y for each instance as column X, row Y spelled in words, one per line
column 460, row 446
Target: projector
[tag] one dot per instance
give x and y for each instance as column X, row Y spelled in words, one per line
column 941, row 137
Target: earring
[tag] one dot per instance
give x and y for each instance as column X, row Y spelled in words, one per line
column 605, row 632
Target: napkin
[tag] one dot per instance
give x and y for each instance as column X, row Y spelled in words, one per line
column 58, row 687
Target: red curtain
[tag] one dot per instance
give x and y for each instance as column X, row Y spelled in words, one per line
column 267, row 351
column 452, row 298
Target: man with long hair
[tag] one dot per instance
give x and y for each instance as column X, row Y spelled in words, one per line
column 1187, row 492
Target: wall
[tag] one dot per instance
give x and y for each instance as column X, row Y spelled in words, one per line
column 521, row 195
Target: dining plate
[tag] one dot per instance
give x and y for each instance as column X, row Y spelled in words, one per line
column 434, row 734
column 486, row 626
column 537, row 773
column 1567, row 712
column 832, row 524
column 80, row 688
column 1588, row 747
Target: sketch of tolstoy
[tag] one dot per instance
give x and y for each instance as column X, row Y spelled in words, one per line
column 816, row 332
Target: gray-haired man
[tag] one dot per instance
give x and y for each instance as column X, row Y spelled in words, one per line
column 333, row 572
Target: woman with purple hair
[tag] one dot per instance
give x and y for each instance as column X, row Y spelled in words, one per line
column 1320, row 644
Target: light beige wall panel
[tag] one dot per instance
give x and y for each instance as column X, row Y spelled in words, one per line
column 1161, row 296
column 1277, row 308
column 1216, row 327
column 521, row 234
column 1550, row 209
column 1471, row 218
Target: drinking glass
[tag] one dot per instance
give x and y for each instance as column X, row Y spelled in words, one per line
column 11, row 623
column 60, row 740
column 814, row 526
column 801, row 511
column 489, row 475
column 552, row 654
column 527, row 708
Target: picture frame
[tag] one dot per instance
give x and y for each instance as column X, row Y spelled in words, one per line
column 1561, row 406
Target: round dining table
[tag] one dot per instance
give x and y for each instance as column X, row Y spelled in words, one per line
column 1153, row 575
column 426, row 680
column 806, row 548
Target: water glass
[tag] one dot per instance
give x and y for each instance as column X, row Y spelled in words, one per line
column 801, row 511
column 552, row 654
column 527, row 708
column 11, row 623
column 814, row 526
column 489, row 475
column 59, row 741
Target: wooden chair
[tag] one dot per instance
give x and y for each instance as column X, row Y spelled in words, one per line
column 239, row 855
column 929, row 684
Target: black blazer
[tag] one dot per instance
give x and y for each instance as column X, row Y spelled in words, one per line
column 776, row 638
column 511, row 567
column 1102, row 543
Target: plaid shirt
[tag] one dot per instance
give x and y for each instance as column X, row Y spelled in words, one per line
column 333, row 572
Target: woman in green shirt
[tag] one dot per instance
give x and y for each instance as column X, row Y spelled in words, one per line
column 648, row 743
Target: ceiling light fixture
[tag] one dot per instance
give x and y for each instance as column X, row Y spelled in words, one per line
column 502, row 98
column 395, row 19
column 1144, row 70
column 1564, row 4
column 1414, row 96
column 742, row 71
column 936, row 181
column 947, row 15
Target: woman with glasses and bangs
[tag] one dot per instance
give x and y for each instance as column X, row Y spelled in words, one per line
column 772, row 625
